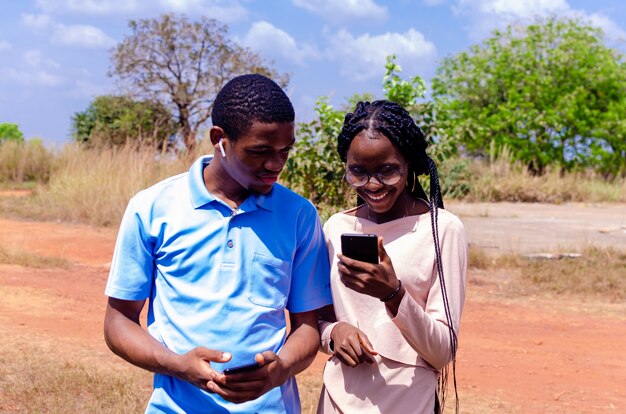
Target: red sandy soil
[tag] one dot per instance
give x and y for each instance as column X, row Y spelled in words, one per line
column 516, row 355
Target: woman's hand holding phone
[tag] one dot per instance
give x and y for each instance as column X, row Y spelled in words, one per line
column 377, row 280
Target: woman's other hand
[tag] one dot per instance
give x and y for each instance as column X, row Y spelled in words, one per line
column 351, row 345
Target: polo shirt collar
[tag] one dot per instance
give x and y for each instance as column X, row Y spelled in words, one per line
column 266, row 201
column 200, row 196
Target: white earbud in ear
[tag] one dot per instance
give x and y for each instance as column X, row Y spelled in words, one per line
column 219, row 144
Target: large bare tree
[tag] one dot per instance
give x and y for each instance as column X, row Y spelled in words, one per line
column 183, row 64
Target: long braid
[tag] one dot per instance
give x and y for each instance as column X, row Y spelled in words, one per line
column 436, row 202
column 398, row 126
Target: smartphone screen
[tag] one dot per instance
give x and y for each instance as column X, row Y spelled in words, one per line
column 241, row 368
column 363, row 247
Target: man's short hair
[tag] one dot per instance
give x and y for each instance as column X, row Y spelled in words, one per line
column 250, row 98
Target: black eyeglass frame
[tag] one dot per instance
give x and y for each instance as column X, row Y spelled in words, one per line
column 395, row 178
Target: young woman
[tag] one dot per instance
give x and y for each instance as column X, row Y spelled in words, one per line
column 395, row 323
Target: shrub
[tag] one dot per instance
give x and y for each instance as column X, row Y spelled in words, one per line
column 23, row 161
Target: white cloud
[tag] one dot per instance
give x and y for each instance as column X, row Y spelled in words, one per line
column 612, row 31
column 32, row 57
column 88, row 90
column 35, row 59
column 345, row 11
column 95, row 7
column 223, row 10
column 36, row 21
column 39, row 77
column 81, row 35
column 4, row 45
column 487, row 15
column 68, row 35
column 364, row 57
column 277, row 44
column 518, row 8
column 433, row 2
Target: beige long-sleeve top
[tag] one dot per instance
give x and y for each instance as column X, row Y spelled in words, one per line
column 415, row 344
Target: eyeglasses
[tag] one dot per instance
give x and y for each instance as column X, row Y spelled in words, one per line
column 387, row 176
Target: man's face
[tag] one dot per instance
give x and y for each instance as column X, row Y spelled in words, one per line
column 257, row 157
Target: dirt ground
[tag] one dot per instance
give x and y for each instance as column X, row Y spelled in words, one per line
column 516, row 355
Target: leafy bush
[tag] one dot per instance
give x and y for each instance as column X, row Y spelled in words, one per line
column 10, row 132
column 315, row 169
column 119, row 120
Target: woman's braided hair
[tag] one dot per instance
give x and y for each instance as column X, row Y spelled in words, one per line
column 394, row 122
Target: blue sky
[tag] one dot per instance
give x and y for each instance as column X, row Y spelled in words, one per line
column 54, row 54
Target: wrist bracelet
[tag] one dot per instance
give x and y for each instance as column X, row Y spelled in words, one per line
column 394, row 293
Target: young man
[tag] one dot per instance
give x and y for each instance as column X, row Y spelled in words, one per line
column 220, row 252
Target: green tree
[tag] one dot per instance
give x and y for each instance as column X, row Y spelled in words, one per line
column 411, row 95
column 550, row 92
column 118, row 120
column 183, row 64
column 10, row 132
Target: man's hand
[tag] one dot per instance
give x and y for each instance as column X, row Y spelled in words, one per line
column 125, row 336
column 195, row 366
column 246, row 386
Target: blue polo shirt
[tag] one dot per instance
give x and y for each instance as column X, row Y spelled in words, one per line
column 219, row 278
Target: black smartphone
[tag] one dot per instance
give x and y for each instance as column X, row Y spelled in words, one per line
column 363, row 247
column 242, row 368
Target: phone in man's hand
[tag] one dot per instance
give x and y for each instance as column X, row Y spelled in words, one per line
column 242, row 368
column 363, row 247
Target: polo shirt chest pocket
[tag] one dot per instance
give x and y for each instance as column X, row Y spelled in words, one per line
column 268, row 281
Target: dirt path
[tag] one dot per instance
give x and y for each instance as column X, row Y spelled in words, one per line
column 516, row 356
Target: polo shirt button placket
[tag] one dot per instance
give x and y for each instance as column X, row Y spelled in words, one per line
column 230, row 244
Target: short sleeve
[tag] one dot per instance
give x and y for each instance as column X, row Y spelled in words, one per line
column 310, row 284
column 132, row 268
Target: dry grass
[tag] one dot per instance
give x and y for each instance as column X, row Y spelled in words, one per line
column 25, row 161
column 93, row 186
column 28, row 259
column 502, row 180
column 598, row 272
column 36, row 376
column 309, row 387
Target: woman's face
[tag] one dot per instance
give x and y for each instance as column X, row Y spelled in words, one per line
column 372, row 154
